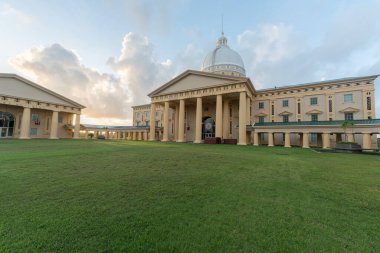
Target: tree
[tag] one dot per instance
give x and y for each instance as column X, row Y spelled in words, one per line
column 346, row 124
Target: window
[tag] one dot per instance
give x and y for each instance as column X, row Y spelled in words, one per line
column 60, row 119
column 230, row 127
column 299, row 108
column 33, row 131
column 330, row 119
column 35, row 119
column 147, row 114
column 348, row 98
column 230, row 111
column 157, row 124
column 261, row 119
column 285, row 103
column 313, row 137
column 313, row 101
column 147, row 123
column 261, row 105
column 272, row 109
column 285, row 118
column 348, row 116
column 368, row 103
column 314, row 117
column 47, row 123
column 330, row 105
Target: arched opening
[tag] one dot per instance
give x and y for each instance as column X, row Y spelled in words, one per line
column 7, row 123
column 208, row 128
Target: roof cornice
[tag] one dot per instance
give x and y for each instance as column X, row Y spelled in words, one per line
column 22, row 79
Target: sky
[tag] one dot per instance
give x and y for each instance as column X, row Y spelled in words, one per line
column 107, row 55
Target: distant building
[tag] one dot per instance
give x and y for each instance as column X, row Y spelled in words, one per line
column 28, row 110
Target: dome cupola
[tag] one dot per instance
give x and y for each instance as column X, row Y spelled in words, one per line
column 224, row 60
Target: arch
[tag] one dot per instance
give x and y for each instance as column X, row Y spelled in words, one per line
column 7, row 123
column 208, row 127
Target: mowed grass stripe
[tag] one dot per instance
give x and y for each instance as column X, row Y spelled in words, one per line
column 112, row 196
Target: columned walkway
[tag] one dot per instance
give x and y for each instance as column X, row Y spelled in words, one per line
column 322, row 134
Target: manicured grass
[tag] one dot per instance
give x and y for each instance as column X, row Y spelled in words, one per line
column 118, row 196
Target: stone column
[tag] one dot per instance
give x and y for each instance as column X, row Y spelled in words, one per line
column 305, row 139
column 181, row 121
column 319, row 140
column 326, row 140
column 145, row 136
column 176, row 122
column 134, row 136
column 77, row 126
column 270, row 139
column 86, row 134
column 226, row 119
column 219, row 116
column 152, row 121
column 366, row 141
column 54, row 126
column 300, row 139
column 25, row 124
column 242, row 121
column 139, row 136
column 198, row 121
column 287, row 140
column 248, row 116
column 350, row 137
column 165, row 136
column 255, row 139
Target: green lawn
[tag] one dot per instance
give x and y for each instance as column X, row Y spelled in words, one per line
column 119, row 196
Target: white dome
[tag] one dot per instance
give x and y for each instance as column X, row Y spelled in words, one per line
column 224, row 60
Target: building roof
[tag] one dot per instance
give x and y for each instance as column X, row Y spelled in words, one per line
column 327, row 82
column 232, row 79
column 223, row 58
column 41, row 88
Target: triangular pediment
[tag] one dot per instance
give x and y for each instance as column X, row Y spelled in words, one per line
column 18, row 87
column 314, row 111
column 350, row 109
column 191, row 80
column 261, row 114
column 284, row 113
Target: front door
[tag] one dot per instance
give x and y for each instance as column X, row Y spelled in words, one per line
column 208, row 128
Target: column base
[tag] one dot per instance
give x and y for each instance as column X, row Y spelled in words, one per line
column 256, row 145
column 287, row 146
column 242, row 144
column 53, row 138
column 270, row 145
column 180, row 141
column 24, row 138
column 197, row 142
column 164, row 140
column 305, row 147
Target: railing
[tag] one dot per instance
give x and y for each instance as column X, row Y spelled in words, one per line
column 319, row 123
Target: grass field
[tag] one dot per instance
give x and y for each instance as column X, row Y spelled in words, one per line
column 118, row 196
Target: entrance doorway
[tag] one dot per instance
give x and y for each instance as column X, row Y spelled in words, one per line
column 7, row 123
column 208, row 128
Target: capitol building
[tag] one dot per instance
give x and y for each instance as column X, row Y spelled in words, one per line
column 218, row 104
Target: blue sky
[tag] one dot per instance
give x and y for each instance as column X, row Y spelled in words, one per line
column 109, row 54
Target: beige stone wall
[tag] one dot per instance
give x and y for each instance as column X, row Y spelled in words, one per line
column 42, row 126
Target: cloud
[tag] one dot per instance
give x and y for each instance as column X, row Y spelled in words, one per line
column 107, row 96
column 139, row 68
column 9, row 13
column 60, row 69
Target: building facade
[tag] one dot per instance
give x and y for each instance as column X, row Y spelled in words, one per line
column 28, row 110
column 219, row 101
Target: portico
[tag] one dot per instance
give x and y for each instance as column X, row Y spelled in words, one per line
column 212, row 96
